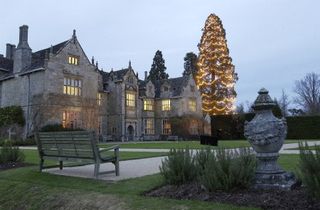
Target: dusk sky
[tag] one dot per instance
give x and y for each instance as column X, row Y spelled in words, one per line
column 272, row 42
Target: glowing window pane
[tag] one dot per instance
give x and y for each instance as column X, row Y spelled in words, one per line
column 148, row 105
column 72, row 86
column 192, row 105
column 166, row 127
column 165, row 105
column 130, row 100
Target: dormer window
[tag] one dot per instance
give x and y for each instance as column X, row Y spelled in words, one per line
column 165, row 88
column 74, row 60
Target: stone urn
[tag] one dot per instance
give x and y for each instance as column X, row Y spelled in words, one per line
column 266, row 134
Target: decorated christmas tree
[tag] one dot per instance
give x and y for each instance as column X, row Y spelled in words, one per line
column 216, row 76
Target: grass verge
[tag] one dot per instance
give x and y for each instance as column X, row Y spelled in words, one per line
column 26, row 188
column 32, row 156
column 184, row 144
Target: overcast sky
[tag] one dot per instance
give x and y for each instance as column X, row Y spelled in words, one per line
column 272, row 42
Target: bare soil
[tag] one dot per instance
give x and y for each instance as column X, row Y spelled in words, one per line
column 297, row 198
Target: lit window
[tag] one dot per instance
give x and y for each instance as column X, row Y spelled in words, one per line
column 165, row 105
column 71, row 119
column 99, row 99
column 149, row 126
column 74, row 60
column 72, row 87
column 130, row 100
column 192, row 105
column 148, row 105
column 166, row 127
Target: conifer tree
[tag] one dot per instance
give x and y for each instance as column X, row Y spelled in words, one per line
column 216, row 76
column 190, row 64
column 158, row 68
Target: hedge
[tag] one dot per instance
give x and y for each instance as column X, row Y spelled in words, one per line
column 303, row 127
column 232, row 126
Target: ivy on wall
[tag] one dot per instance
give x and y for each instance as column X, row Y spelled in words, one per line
column 11, row 115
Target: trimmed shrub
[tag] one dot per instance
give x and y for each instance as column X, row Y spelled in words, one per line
column 179, row 167
column 28, row 142
column 309, row 169
column 228, row 170
column 10, row 153
column 220, row 169
column 201, row 158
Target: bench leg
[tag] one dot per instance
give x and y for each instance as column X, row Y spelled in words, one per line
column 61, row 165
column 96, row 170
column 116, row 163
column 41, row 164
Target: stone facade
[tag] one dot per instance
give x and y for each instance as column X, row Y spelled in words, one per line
column 141, row 110
column 59, row 85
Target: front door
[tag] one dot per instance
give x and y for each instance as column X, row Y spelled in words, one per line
column 130, row 132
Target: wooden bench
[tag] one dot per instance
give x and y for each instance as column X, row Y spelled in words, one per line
column 73, row 145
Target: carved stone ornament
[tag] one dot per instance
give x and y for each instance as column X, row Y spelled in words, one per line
column 266, row 134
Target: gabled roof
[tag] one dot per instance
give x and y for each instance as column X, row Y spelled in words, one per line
column 176, row 86
column 39, row 57
column 37, row 60
column 117, row 75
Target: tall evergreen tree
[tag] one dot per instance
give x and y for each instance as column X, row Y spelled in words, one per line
column 190, row 64
column 216, row 76
column 158, row 68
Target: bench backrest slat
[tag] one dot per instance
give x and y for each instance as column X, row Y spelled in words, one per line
column 71, row 144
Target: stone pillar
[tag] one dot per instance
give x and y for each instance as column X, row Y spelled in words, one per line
column 266, row 134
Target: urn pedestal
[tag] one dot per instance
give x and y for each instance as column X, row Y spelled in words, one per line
column 266, row 134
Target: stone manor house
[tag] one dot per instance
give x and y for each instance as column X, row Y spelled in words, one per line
column 60, row 85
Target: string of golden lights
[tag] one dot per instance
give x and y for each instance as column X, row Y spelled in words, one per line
column 216, row 76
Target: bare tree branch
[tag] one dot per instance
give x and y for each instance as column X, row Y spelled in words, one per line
column 308, row 93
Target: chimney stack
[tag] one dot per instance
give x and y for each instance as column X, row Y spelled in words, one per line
column 10, row 51
column 23, row 53
column 145, row 75
column 23, row 37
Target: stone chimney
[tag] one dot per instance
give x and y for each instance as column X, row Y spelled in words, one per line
column 10, row 51
column 23, row 53
column 145, row 75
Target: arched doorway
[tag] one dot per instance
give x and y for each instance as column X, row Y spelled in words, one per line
column 130, row 132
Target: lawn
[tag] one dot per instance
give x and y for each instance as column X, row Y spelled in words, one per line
column 26, row 188
column 178, row 144
column 32, row 156
column 184, row 144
